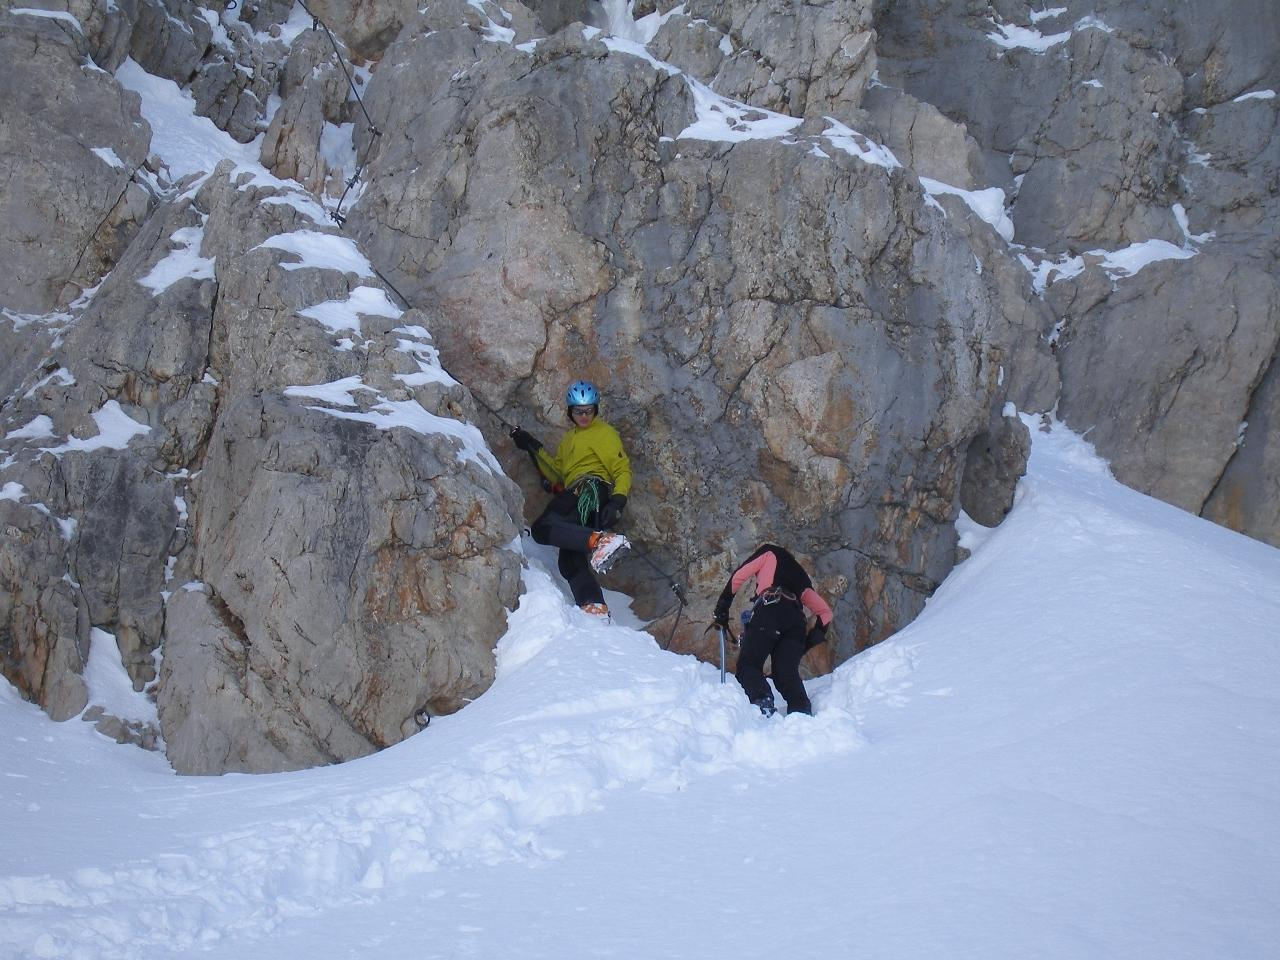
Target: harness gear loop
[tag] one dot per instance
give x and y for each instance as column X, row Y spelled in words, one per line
column 773, row 595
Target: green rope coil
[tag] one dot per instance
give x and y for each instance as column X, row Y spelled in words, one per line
column 588, row 500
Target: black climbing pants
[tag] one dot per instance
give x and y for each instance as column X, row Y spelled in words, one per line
column 558, row 526
column 775, row 630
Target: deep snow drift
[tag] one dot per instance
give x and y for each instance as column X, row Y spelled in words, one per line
column 1073, row 752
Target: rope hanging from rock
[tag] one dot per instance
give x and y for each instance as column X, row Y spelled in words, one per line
column 316, row 23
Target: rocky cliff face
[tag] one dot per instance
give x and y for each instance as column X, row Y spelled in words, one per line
column 1125, row 133
column 813, row 256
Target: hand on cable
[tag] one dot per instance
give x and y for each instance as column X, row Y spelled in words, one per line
column 612, row 510
column 721, row 618
column 524, row 440
column 816, row 636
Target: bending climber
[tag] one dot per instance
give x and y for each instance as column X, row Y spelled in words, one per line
column 776, row 626
column 589, row 479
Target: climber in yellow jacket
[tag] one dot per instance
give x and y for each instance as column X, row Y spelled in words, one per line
column 589, row 478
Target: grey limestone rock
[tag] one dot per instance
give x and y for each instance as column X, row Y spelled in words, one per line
column 169, row 39
column 806, row 310
column 806, row 60
column 315, row 88
column 70, row 141
column 796, row 343
column 1247, row 495
column 378, row 593
column 1100, row 167
column 924, row 140
column 367, row 26
column 1087, row 125
column 555, row 15
column 262, row 15
column 1233, row 174
column 1222, row 49
column 211, row 54
column 1161, row 374
column 137, row 732
column 44, row 626
column 350, row 575
column 113, row 507
column 694, row 45
column 993, row 464
column 1123, row 123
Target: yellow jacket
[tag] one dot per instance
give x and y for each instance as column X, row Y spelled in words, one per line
column 594, row 450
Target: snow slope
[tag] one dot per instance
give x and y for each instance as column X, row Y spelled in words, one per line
column 1072, row 753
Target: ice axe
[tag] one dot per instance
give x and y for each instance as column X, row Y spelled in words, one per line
column 722, row 630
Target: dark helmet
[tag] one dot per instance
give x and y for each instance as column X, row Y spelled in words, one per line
column 581, row 393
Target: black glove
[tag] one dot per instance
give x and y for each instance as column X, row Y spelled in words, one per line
column 816, row 636
column 612, row 510
column 524, row 440
column 721, row 618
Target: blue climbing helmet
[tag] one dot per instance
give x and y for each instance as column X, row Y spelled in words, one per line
column 582, row 393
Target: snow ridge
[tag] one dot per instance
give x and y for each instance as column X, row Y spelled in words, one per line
column 578, row 710
column 1085, row 707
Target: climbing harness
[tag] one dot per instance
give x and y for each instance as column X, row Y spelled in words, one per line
column 773, row 595
column 767, row 599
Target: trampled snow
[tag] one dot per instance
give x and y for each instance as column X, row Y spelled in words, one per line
column 60, row 376
column 302, row 204
column 1013, row 37
column 1072, row 753
column 339, row 392
column 493, row 32
column 416, row 342
column 1037, row 15
column 621, row 22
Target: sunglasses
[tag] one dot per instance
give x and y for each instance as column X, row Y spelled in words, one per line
column 579, row 411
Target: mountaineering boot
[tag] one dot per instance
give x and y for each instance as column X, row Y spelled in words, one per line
column 766, row 706
column 600, row 610
column 604, row 547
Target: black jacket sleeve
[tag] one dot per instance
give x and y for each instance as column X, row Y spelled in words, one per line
column 725, row 601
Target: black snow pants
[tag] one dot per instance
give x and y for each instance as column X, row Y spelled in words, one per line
column 558, row 526
column 775, row 630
